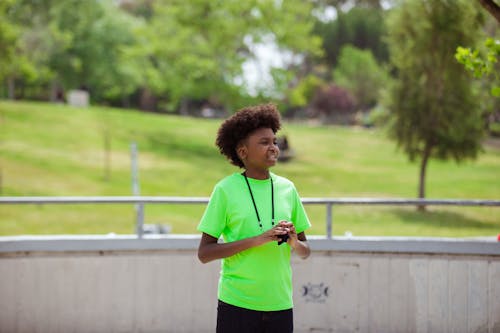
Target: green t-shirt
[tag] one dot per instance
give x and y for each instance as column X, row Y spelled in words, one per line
column 259, row 278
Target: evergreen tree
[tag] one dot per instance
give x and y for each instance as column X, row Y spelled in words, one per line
column 435, row 114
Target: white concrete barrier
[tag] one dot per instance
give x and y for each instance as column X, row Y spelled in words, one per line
column 156, row 284
column 79, row 98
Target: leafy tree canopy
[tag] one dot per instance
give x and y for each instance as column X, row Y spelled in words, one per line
column 359, row 72
column 483, row 64
column 195, row 49
column 360, row 27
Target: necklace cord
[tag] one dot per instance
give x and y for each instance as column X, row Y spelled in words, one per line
column 253, row 200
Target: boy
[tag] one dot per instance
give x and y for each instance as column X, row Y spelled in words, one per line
column 261, row 218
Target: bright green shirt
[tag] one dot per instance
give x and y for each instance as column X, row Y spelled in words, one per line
column 259, row 278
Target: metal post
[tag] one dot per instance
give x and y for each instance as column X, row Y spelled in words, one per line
column 139, row 207
column 329, row 221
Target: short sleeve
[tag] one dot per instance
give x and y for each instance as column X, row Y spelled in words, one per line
column 299, row 215
column 213, row 220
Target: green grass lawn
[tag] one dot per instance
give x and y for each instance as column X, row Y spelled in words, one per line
column 56, row 150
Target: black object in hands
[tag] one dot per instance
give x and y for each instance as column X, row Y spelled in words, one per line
column 282, row 239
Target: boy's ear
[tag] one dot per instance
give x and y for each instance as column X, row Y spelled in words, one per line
column 241, row 150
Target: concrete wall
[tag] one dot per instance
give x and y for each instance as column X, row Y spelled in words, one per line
column 123, row 284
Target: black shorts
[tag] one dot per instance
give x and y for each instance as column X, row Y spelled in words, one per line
column 233, row 319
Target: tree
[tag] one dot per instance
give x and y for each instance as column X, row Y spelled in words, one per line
column 176, row 51
column 360, row 27
column 333, row 104
column 482, row 62
column 492, row 7
column 193, row 50
column 95, row 57
column 9, row 33
column 358, row 72
column 66, row 45
column 26, row 43
column 300, row 95
column 338, row 4
column 432, row 105
column 482, row 65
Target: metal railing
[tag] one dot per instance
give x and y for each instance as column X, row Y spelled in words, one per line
column 140, row 201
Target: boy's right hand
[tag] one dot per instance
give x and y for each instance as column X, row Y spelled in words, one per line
column 273, row 234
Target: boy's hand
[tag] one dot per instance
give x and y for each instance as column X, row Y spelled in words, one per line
column 291, row 232
column 273, row 234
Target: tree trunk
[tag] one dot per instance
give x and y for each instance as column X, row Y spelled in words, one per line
column 184, row 108
column 11, row 86
column 492, row 8
column 125, row 101
column 107, row 155
column 147, row 101
column 423, row 167
column 56, row 92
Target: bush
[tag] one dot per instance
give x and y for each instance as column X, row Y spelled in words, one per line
column 334, row 104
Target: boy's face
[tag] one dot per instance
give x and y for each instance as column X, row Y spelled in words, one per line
column 259, row 149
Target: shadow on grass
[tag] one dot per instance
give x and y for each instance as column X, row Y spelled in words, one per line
column 185, row 147
column 442, row 219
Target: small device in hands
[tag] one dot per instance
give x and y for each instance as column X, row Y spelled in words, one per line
column 282, row 239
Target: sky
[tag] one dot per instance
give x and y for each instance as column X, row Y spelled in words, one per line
column 257, row 71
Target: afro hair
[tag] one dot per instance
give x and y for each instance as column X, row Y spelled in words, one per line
column 243, row 123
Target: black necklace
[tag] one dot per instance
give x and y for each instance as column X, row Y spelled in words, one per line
column 253, row 200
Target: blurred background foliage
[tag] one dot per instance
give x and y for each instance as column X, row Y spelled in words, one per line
column 178, row 56
column 423, row 72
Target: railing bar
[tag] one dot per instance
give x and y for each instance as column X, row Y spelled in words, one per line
column 329, row 221
column 402, row 201
column 140, row 220
column 203, row 200
column 103, row 200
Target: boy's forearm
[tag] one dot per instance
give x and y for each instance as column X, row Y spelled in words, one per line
column 216, row 251
column 302, row 249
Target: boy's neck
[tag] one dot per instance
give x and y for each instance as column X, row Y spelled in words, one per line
column 257, row 174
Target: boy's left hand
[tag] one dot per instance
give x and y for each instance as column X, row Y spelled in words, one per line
column 292, row 233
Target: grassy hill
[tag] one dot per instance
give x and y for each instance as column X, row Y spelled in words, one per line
column 49, row 149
